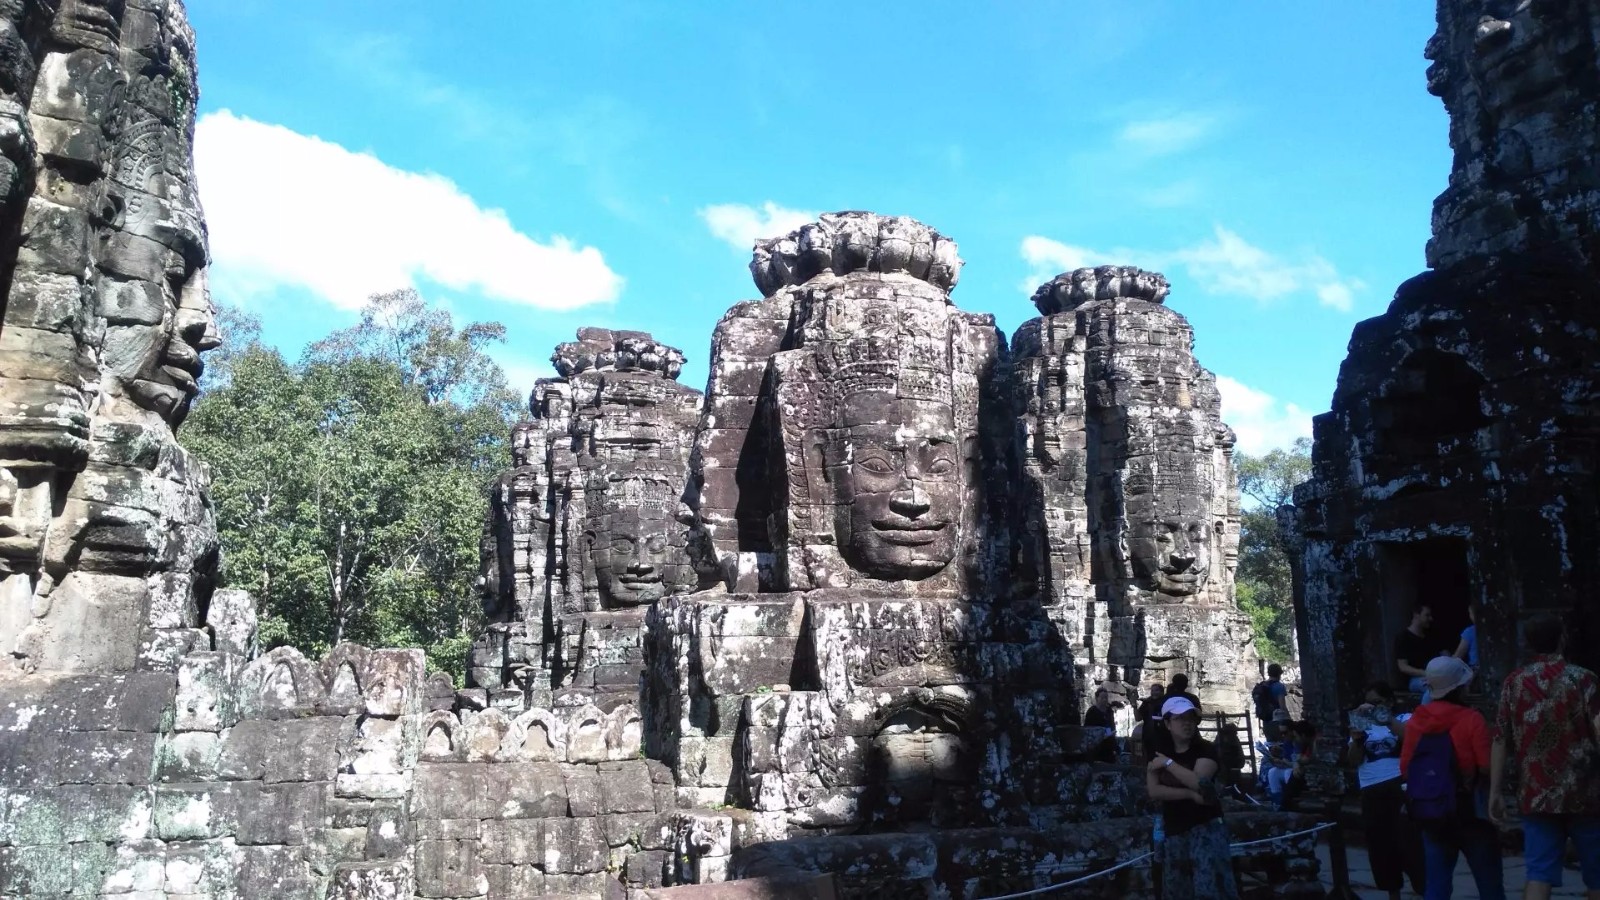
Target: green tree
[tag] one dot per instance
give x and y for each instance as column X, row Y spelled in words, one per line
column 1264, row 583
column 351, row 487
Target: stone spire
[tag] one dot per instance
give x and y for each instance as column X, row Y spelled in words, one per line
column 1128, row 498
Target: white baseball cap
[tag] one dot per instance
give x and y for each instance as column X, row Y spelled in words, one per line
column 1177, row 706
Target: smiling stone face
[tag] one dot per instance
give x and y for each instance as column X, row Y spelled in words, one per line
column 634, row 540
column 898, row 500
column 630, row 564
column 1171, row 555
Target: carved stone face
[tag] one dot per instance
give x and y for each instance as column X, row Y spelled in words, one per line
column 899, row 500
column 1172, row 555
column 153, row 343
column 631, row 563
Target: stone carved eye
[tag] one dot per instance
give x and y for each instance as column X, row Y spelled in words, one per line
column 941, row 466
column 622, row 545
column 657, row 543
column 877, row 464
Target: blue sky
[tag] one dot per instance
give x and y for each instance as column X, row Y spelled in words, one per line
column 551, row 166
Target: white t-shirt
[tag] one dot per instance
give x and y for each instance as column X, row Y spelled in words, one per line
column 1383, row 755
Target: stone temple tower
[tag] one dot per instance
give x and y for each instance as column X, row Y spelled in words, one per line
column 1126, row 486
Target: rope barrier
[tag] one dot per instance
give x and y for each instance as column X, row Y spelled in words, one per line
column 1079, row 880
column 1283, row 837
column 1142, row 857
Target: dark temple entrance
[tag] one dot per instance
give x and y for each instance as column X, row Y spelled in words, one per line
column 1432, row 571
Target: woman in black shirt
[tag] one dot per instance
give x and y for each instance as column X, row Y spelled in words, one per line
column 1195, row 858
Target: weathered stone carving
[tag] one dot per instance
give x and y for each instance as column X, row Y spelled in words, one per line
column 1129, row 499
column 1520, row 128
column 105, row 528
column 1456, row 462
column 860, row 654
column 862, row 448
column 589, row 520
column 848, row 483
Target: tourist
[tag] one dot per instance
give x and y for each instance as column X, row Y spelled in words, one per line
column 1147, row 721
column 1101, row 715
column 1444, row 757
column 1150, row 707
column 1269, row 696
column 1412, row 650
column 1467, row 650
column 1196, row 861
column 1547, row 720
column 1394, row 847
column 1278, row 767
column 1287, row 759
column 1180, row 688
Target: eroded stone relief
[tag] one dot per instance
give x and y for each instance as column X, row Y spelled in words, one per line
column 107, row 527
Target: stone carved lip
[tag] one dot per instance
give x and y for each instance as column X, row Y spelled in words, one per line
column 182, row 379
column 908, row 532
column 629, row 579
column 182, row 364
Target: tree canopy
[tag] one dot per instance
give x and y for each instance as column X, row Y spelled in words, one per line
column 351, row 486
column 1264, row 584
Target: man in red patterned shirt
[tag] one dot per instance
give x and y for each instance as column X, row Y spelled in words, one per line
column 1547, row 719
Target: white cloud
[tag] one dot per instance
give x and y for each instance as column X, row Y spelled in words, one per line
column 1228, row 264
column 291, row 210
column 1261, row 421
column 1044, row 253
column 1167, row 134
column 741, row 226
column 1048, row 258
column 1224, row 264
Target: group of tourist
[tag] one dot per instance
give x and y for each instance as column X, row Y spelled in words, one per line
column 1442, row 797
column 1431, row 782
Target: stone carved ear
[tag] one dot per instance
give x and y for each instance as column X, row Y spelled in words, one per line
column 804, row 412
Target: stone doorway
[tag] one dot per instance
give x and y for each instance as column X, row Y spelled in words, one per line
column 1434, row 571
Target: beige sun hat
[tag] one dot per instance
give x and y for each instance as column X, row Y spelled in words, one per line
column 1444, row 674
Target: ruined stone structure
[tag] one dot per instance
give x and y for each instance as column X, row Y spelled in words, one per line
column 842, row 479
column 585, row 531
column 1128, row 490
column 105, row 528
column 1458, row 461
column 836, row 618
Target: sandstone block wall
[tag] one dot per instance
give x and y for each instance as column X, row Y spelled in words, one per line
column 276, row 777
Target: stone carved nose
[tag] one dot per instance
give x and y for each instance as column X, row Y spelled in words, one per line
column 911, row 504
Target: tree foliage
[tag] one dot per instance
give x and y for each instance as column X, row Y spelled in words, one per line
column 351, row 486
column 1265, row 587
